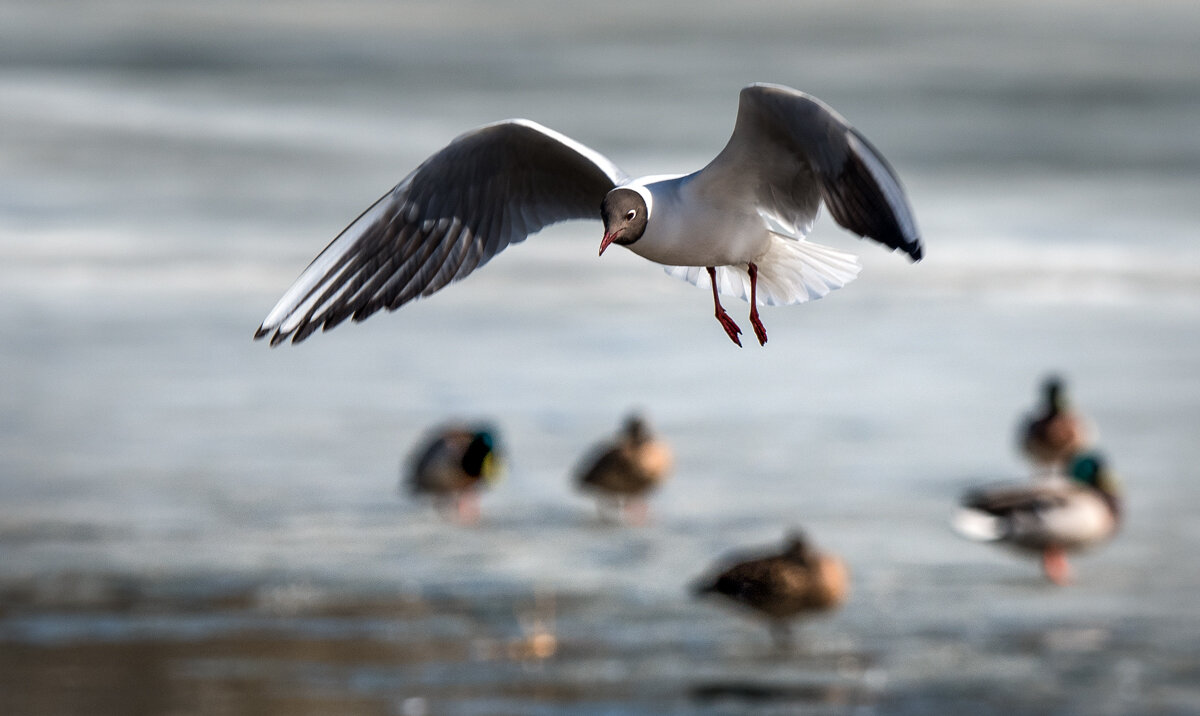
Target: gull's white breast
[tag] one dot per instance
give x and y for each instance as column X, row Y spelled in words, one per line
column 687, row 228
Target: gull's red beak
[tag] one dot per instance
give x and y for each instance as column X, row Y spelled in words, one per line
column 608, row 239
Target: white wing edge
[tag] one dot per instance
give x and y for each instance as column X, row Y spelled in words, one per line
column 300, row 297
column 612, row 170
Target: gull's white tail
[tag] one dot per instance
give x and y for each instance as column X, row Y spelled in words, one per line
column 791, row 271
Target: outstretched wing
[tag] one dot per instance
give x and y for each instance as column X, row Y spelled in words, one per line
column 488, row 188
column 793, row 151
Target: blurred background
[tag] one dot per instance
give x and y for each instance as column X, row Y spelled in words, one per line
column 194, row 523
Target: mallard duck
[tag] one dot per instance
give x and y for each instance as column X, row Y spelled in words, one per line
column 621, row 472
column 1050, row 518
column 783, row 586
column 451, row 464
column 1055, row 432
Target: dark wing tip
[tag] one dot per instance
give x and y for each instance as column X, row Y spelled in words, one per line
column 860, row 188
column 869, row 201
column 909, row 245
column 878, row 180
column 305, row 330
column 278, row 336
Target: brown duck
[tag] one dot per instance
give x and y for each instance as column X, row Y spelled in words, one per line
column 783, row 586
column 620, row 473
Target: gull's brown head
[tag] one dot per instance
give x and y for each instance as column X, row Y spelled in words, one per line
column 625, row 213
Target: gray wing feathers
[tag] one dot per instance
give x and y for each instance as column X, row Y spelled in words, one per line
column 864, row 195
column 487, row 189
column 802, row 152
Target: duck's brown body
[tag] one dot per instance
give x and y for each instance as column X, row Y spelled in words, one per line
column 624, row 471
column 784, row 586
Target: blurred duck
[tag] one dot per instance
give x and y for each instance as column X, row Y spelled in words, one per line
column 783, row 586
column 622, row 472
column 451, row 464
column 1051, row 518
column 1055, row 433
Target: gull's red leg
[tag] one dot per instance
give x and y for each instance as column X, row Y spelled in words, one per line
column 759, row 330
column 727, row 323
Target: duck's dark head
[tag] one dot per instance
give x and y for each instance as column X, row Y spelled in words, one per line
column 797, row 548
column 1054, row 394
column 481, row 458
column 625, row 214
column 636, row 429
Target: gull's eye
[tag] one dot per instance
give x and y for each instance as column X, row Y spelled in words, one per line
column 631, row 215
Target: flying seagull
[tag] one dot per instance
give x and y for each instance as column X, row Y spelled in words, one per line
column 736, row 225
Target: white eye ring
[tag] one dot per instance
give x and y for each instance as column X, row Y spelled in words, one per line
column 631, row 215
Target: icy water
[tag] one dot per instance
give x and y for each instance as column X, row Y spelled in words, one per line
column 193, row 523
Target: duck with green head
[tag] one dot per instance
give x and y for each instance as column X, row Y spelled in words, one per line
column 1049, row 518
column 451, row 464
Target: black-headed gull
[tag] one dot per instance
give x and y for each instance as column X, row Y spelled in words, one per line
column 738, row 224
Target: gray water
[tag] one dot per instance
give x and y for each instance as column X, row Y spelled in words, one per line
column 191, row 522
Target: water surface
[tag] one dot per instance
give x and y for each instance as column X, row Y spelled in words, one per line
column 191, row 522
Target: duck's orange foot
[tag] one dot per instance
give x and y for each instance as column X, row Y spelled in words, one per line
column 1055, row 566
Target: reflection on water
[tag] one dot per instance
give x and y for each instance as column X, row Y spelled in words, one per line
column 298, row 649
column 295, row 647
column 373, row 655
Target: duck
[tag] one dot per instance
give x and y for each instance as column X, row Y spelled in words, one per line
column 1048, row 518
column 782, row 586
column 451, row 464
column 1055, row 431
column 621, row 472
